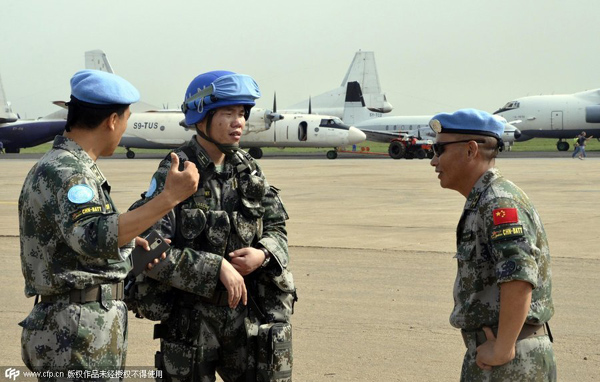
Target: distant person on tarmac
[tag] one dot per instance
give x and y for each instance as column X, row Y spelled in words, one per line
column 502, row 294
column 580, row 148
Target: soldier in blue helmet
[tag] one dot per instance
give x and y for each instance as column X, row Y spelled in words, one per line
column 75, row 245
column 224, row 294
column 502, row 294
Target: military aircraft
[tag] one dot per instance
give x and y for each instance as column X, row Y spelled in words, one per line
column 555, row 116
column 362, row 70
column 16, row 133
column 383, row 129
column 156, row 128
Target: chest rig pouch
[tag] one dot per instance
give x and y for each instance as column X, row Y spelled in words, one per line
column 234, row 220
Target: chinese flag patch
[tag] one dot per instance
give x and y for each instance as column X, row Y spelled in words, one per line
column 505, row 215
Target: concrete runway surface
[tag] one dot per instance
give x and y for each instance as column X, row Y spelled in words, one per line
column 372, row 245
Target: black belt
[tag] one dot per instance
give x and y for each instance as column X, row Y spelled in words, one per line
column 527, row 331
column 81, row 296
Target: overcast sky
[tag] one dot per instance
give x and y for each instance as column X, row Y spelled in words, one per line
column 432, row 55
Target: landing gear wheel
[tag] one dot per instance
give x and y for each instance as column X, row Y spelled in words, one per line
column 562, row 146
column 130, row 154
column 331, row 154
column 396, row 150
column 255, row 152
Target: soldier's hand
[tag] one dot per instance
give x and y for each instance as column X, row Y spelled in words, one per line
column 181, row 184
column 141, row 242
column 247, row 260
column 234, row 283
column 488, row 355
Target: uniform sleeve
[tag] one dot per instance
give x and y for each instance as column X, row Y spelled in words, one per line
column 86, row 219
column 512, row 236
column 184, row 268
column 274, row 237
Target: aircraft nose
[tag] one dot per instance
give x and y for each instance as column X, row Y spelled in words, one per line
column 517, row 133
column 355, row 135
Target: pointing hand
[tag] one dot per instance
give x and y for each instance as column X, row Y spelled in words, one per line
column 181, row 184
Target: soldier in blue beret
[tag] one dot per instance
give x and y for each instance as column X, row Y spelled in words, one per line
column 75, row 246
column 502, row 293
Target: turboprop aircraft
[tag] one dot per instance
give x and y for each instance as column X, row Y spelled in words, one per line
column 362, row 70
column 555, row 116
column 383, row 129
column 16, row 133
column 155, row 128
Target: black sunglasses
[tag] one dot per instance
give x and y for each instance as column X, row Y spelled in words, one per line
column 438, row 147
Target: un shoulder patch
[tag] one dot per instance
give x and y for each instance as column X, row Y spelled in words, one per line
column 152, row 188
column 508, row 268
column 80, row 193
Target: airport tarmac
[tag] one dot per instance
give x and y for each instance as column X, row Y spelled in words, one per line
column 372, row 245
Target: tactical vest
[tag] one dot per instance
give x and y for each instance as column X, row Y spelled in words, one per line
column 226, row 211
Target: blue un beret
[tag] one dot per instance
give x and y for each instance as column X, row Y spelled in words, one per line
column 468, row 121
column 95, row 87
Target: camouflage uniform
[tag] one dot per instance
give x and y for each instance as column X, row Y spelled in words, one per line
column 70, row 246
column 232, row 209
column 493, row 250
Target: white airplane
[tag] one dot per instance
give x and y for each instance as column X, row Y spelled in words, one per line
column 383, row 129
column 555, row 116
column 362, row 70
column 6, row 113
column 155, row 128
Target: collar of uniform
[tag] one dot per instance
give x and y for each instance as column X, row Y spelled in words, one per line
column 203, row 158
column 480, row 186
column 67, row 144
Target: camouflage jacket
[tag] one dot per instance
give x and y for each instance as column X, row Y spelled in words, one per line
column 232, row 209
column 68, row 224
column 499, row 238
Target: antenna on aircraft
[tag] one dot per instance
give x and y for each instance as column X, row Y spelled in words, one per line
column 309, row 105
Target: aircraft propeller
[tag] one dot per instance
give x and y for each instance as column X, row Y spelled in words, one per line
column 272, row 116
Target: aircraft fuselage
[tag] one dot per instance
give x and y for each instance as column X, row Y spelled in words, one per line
column 555, row 116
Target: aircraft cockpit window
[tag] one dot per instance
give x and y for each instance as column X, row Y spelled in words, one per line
column 509, row 106
column 330, row 122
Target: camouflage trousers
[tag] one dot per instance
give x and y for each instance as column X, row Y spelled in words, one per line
column 201, row 340
column 69, row 337
column 534, row 361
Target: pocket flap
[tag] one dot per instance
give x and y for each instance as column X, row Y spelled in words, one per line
column 36, row 319
column 178, row 359
column 192, row 222
column 465, row 250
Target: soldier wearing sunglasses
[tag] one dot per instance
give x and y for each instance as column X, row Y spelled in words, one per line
column 502, row 293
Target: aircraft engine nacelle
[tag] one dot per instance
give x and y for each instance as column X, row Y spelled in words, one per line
column 592, row 114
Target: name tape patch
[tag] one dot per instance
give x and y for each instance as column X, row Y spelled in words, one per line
column 507, row 233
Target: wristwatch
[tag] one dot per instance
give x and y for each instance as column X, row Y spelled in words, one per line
column 267, row 257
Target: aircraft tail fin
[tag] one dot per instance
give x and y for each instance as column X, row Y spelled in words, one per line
column 6, row 113
column 354, row 105
column 364, row 71
column 96, row 59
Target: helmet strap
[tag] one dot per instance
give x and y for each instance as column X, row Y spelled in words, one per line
column 228, row 150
